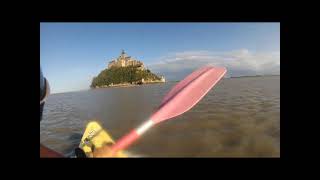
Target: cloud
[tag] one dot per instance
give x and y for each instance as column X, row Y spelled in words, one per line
column 238, row 63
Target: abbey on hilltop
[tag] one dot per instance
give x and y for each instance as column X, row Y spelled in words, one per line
column 124, row 60
column 125, row 71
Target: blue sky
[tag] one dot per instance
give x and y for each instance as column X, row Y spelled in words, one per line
column 72, row 53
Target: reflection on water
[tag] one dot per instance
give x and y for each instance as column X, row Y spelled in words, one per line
column 240, row 117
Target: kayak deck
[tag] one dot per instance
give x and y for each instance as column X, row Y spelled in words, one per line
column 95, row 136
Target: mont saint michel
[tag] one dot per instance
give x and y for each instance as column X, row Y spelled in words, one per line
column 125, row 71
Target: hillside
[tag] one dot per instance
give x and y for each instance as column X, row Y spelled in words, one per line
column 124, row 75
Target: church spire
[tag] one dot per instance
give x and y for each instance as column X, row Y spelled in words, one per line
column 123, row 54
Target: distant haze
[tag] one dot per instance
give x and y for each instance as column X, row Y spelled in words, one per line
column 238, row 63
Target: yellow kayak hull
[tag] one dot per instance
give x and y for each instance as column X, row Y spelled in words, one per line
column 95, row 136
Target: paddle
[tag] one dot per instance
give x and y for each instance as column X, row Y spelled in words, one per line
column 182, row 97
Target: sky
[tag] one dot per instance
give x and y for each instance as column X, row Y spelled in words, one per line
column 71, row 54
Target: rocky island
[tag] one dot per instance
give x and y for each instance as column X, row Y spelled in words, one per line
column 125, row 71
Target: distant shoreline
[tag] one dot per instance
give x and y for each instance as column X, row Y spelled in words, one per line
column 173, row 81
column 127, row 85
column 254, row 76
column 234, row 77
column 117, row 86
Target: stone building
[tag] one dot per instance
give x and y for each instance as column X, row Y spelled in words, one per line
column 163, row 79
column 124, row 60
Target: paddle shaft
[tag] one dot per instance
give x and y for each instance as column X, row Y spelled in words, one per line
column 132, row 136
